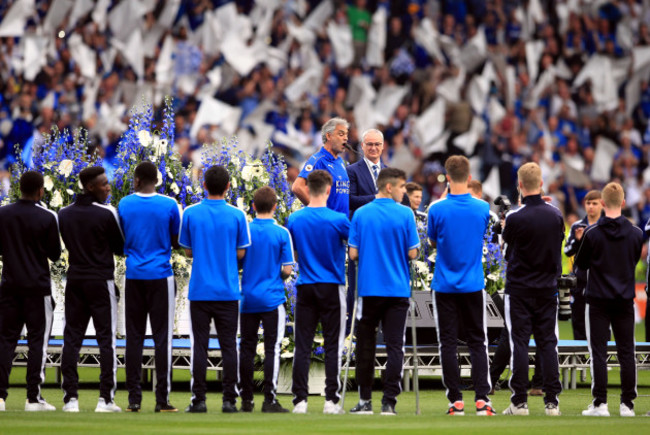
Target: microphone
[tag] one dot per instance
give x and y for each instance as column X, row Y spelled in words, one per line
column 348, row 147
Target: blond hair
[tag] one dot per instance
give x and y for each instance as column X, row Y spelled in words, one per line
column 476, row 187
column 613, row 195
column 530, row 176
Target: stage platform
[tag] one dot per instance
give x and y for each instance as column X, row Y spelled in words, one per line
column 573, row 355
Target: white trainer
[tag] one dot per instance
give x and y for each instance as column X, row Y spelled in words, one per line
column 102, row 406
column 596, row 411
column 332, row 408
column 39, row 406
column 71, row 406
column 521, row 409
column 300, row 407
column 552, row 409
column 2, row 405
column 626, row 411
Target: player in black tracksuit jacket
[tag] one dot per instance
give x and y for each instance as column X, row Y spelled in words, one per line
column 609, row 252
column 29, row 236
column 534, row 235
column 91, row 232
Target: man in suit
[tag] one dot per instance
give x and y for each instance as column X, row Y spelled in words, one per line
column 363, row 188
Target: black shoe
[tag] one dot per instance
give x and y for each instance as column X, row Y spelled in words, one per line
column 365, row 409
column 165, row 407
column 133, row 407
column 273, row 407
column 228, row 407
column 246, row 406
column 197, row 407
column 387, row 409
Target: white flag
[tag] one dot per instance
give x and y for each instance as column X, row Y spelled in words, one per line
column 215, row 112
column 431, row 123
column 14, row 22
column 341, row 38
column 56, row 14
column 377, row 39
column 603, row 159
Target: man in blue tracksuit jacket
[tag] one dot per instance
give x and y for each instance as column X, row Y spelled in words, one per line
column 609, row 252
column 533, row 234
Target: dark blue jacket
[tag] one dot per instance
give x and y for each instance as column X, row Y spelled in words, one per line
column 533, row 234
column 609, row 251
column 362, row 186
column 571, row 248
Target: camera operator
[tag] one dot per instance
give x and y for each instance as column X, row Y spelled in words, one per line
column 533, row 234
column 594, row 209
column 610, row 251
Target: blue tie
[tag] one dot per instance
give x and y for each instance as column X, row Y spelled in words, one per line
column 375, row 172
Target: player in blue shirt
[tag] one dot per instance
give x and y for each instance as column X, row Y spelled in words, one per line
column 150, row 223
column 383, row 238
column 268, row 261
column 214, row 285
column 319, row 235
column 335, row 137
column 456, row 227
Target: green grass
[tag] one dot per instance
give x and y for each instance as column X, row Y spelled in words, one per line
column 432, row 418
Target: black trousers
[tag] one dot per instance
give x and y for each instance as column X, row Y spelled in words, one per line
column 468, row 309
column 314, row 303
column 352, row 285
column 273, row 323
column 392, row 312
column 35, row 312
column 619, row 313
column 536, row 315
column 155, row 298
column 225, row 315
column 578, row 302
column 501, row 358
column 85, row 299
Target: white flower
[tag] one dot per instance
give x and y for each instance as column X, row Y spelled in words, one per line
column 241, row 204
column 258, row 171
column 422, row 267
column 159, row 147
column 169, row 173
column 70, row 192
column 174, row 188
column 160, row 179
column 247, row 173
column 260, row 350
column 145, row 138
column 57, row 200
column 233, row 183
column 286, row 355
column 297, row 205
column 189, row 188
column 285, row 342
column 65, row 167
column 485, row 250
column 493, row 277
column 81, row 186
column 235, row 161
column 48, row 183
column 319, row 340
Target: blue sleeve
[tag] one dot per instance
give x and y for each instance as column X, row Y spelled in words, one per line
column 431, row 227
column 185, row 237
column 311, row 164
column 412, row 232
column 175, row 219
column 286, row 249
column 344, row 227
column 354, row 232
column 243, row 233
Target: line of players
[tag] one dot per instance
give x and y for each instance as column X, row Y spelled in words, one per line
column 382, row 238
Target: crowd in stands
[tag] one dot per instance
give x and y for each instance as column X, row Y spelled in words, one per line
column 561, row 83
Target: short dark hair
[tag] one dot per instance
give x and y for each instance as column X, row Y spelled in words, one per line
column 88, row 175
column 457, row 168
column 413, row 187
column 146, row 172
column 389, row 176
column 216, row 180
column 318, row 181
column 264, row 199
column 31, row 182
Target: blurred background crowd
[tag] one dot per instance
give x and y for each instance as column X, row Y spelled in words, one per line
column 564, row 83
